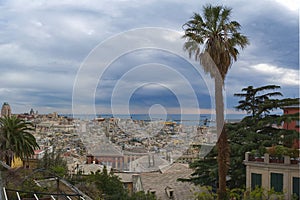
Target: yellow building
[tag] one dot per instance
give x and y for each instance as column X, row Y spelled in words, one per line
column 282, row 176
column 16, row 162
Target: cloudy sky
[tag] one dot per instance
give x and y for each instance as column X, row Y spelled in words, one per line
column 102, row 56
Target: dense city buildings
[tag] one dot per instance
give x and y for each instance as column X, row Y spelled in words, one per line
column 143, row 157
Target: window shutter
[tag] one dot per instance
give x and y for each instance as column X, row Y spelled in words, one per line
column 277, row 182
column 255, row 180
column 296, row 186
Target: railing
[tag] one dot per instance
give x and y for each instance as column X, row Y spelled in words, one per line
column 35, row 196
column 267, row 158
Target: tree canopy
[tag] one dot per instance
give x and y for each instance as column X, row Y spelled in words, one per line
column 255, row 131
column 16, row 138
column 220, row 37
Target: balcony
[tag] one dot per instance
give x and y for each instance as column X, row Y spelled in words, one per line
column 269, row 159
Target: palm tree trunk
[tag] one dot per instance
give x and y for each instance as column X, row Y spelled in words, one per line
column 222, row 144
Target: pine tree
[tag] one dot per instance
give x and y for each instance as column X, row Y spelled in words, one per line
column 260, row 129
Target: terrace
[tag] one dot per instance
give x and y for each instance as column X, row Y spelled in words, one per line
column 270, row 159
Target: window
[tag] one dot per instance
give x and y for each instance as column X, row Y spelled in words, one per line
column 255, row 180
column 277, row 182
column 296, row 186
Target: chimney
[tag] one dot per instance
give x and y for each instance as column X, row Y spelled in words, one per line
column 149, row 161
column 153, row 163
column 170, row 192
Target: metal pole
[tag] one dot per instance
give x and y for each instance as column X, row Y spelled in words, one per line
column 36, row 197
column 5, row 195
column 1, row 186
column 18, row 195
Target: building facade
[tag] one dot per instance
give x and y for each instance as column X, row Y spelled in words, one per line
column 293, row 125
column 282, row 177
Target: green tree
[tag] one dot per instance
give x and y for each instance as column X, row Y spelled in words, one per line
column 142, row 196
column 205, row 170
column 250, row 133
column 253, row 98
column 220, row 38
column 54, row 163
column 16, row 138
column 241, row 194
column 258, row 101
column 260, row 129
column 109, row 184
column 104, row 185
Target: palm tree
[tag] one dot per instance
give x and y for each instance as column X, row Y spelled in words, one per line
column 16, row 139
column 219, row 39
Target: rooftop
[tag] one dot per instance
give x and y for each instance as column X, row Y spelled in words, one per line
column 167, row 180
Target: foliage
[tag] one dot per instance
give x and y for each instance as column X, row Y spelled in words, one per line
column 16, row 138
column 18, row 179
column 54, row 163
column 293, row 153
column 205, row 194
column 261, row 193
column 280, row 151
column 220, row 39
column 142, row 196
column 24, row 180
column 277, row 150
column 259, row 130
column 110, row 185
column 59, row 170
column 218, row 34
column 236, row 193
column 252, row 132
column 84, row 184
column 240, row 194
column 258, row 152
column 262, row 126
column 253, row 99
column 104, row 185
column 205, row 170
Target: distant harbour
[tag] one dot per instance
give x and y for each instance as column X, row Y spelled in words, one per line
column 186, row 119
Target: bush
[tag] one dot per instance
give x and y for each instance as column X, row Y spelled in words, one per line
column 278, row 151
column 293, row 153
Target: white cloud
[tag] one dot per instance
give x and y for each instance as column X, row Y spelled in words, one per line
column 43, row 42
column 290, row 4
column 280, row 75
column 14, row 53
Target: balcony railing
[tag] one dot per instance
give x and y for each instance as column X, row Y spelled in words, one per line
column 267, row 158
